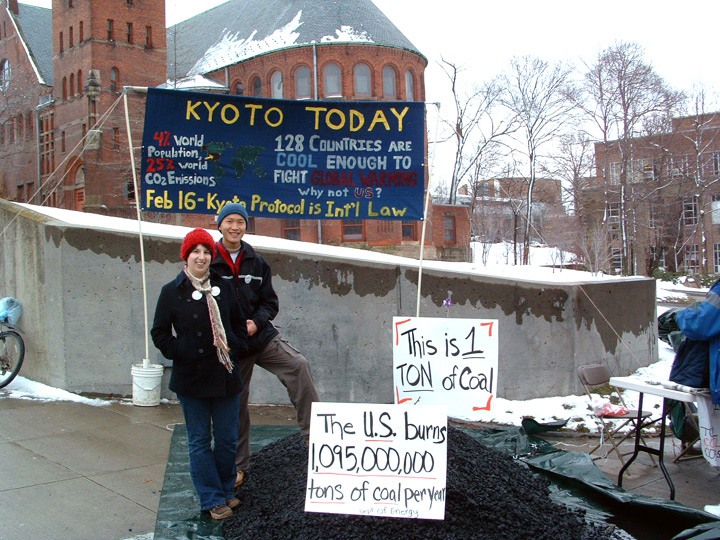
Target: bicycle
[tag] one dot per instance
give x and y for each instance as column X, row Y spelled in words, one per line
column 12, row 353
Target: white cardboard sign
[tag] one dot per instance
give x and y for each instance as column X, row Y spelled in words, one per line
column 377, row 460
column 453, row 362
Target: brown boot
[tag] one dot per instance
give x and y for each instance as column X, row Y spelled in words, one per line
column 220, row 512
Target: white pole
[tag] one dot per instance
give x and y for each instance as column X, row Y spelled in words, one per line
column 425, row 211
column 146, row 359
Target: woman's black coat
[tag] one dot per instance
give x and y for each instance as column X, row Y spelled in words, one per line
column 197, row 372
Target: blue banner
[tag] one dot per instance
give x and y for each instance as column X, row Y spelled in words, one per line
column 283, row 158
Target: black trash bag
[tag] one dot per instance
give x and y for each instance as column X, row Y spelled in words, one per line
column 667, row 324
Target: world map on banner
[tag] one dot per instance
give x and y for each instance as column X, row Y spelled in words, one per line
column 283, row 158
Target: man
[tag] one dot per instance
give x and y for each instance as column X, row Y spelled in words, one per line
column 251, row 277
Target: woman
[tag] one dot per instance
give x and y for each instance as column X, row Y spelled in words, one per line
column 200, row 327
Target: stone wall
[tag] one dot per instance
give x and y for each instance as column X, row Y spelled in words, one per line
column 79, row 277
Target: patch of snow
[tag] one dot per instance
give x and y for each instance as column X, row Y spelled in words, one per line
column 22, row 388
column 347, row 34
column 232, row 48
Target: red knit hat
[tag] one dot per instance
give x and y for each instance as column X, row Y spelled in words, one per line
column 194, row 238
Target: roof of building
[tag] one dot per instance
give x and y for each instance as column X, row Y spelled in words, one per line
column 36, row 26
column 197, row 83
column 238, row 30
column 241, row 29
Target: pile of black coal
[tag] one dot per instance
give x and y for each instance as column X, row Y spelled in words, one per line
column 489, row 496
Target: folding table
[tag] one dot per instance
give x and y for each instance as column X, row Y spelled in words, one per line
column 656, row 389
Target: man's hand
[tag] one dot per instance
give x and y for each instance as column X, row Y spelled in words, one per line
column 251, row 327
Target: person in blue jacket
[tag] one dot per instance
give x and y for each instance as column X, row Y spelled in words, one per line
column 200, row 326
column 701, row 322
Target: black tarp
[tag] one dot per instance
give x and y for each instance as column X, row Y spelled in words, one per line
column 577, row 481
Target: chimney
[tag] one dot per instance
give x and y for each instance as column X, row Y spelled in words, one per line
column 13, row 6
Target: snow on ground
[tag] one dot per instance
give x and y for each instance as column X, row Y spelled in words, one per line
column 22, row 388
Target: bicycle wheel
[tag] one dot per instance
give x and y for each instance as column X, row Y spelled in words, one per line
column 12, row 353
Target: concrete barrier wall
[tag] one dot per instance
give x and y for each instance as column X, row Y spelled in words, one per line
column 84, row 325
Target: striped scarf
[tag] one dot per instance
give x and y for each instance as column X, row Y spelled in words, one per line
column 219, row 339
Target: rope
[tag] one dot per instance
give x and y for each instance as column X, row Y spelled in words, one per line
column 617, row 335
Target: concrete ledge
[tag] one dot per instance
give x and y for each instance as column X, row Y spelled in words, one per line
column 79, row 277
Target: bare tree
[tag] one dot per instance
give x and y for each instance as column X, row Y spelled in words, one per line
column 560, row 233
column 540, row 95
column 475, row 128
column 512, row 192
column 441, row 191
column 595, row 247
column 573, row 163
column 487, row 224
column 626, row 99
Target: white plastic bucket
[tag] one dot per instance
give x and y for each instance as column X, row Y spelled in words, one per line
column 146, row 384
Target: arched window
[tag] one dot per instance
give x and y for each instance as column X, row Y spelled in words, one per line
column 5, row 74
column 114, row 79
column 361, row 74
column 79, row 82
column 276, row 81
column 64, row 88
column 389, row 83
column 72, row 85
column 239, row 89
column 332, row 81
column 409, row 86
column 302, row 83
column 257, row 87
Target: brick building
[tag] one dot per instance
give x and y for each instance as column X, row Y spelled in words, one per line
column 670, row 213
column 64, row 70
column 499, row 208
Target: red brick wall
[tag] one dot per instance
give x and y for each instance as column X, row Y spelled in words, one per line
column 346, row 56
column 107, row 169
column 462, row 227
column 18, row 140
